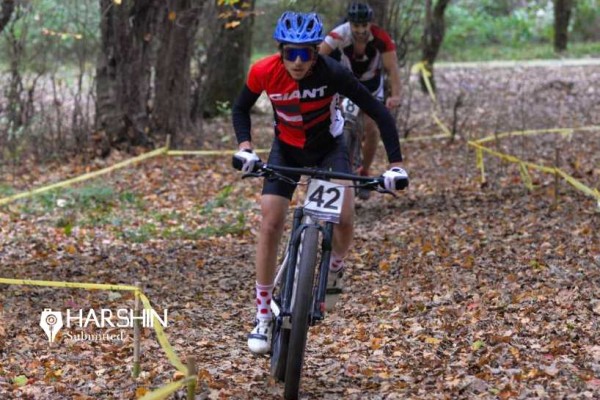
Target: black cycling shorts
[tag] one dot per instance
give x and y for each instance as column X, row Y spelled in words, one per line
column 334, row 159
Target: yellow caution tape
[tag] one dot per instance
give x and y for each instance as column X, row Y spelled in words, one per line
column 579, row 186
column 423, row 138
column 83, row 177
column 208, row 152
column 443, row 127
column 524, row 165
column 160, row 333
column 162, row 338
column 422, row 68
column 511, row 159
column 563, row 131
column 525, row 177
column 479, row 163
column 74, row 285
column 167, row 390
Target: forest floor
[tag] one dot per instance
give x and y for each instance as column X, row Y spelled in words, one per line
column 454, row 290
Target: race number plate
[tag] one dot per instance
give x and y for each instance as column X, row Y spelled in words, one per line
column 324, row 200
column 350, row 108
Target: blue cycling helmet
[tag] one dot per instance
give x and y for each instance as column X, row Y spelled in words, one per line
column 299, row 28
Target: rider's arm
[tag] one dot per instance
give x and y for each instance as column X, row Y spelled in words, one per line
column 390, row 64
column 347, row 85
column 332, row 41
column 325, row 49
column 240, row 115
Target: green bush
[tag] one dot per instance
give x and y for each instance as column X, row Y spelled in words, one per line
column 586, row 20
column 482, row 24
column 64, row 32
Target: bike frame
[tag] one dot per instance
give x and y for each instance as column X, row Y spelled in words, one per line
column 303, row 294
column 287, row 269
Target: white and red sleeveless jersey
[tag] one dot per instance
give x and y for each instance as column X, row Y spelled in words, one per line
column 366, row 67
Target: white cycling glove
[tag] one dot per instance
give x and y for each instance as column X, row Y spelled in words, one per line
column 245, row 160
column 395, row 179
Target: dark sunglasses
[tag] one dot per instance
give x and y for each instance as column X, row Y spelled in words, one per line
column 359, row 24
column 292, row 53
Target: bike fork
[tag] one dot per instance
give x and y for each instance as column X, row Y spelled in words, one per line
column 319, row 298
column 281, row 306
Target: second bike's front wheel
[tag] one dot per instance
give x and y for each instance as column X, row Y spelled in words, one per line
column 354, row 145
column 301, row 308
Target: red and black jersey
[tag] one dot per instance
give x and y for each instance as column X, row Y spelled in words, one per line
column 305, row 111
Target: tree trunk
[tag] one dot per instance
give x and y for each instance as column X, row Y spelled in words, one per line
column 228, row 56
column 433, row 35
column 172, row 100
column 380, row 13
column 562, row 16
column 124, row 71
column 6, row 11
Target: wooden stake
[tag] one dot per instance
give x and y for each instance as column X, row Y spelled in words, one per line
column 556, row 175
column 166, row 161
column 168, row 145
column 192, row 372
column 136, row 332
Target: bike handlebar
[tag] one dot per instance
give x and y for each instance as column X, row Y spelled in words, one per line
column 367, row 182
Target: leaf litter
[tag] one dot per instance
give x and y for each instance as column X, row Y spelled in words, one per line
column 454, row 290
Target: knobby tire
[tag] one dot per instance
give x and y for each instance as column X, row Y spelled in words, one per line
column 281, row 340
column 300, row 312
column 280, row 343
column 353, row 142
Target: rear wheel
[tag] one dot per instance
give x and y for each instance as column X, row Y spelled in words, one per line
column 301, row 309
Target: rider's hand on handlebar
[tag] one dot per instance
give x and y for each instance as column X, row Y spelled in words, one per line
column 245, row 160
column 395, row 178
column 393, row 102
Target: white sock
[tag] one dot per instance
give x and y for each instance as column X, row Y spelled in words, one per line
column 336, row 263
column 264, row 294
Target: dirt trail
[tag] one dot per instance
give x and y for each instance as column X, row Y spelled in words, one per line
column 454, row 290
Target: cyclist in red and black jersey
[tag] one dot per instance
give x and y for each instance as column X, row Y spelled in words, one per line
column 366, row 50
column 303, row 88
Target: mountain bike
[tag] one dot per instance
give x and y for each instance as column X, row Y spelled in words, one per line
column 301, row 278
column 353, row 134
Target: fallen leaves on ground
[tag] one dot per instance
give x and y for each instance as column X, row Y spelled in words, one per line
column 453, row 290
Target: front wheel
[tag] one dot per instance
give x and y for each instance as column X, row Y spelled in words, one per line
column 354, row 145
column 280, row 344
column 301, row 309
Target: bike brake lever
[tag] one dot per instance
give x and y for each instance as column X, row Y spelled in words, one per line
column 253, row 175
column 383, row 190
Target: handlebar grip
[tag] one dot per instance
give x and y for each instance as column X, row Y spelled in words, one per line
column 237, row 163
column 402, row 184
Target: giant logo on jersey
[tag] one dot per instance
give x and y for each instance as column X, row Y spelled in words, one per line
column 300, row 94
